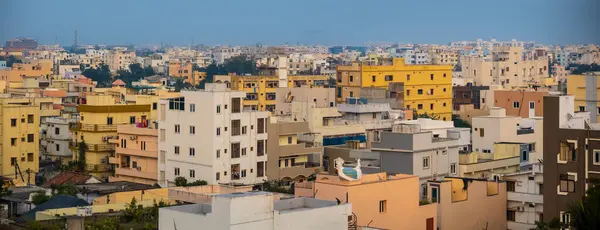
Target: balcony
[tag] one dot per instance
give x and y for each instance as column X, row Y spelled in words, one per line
column 135, row 173
column 525, row 197
column 93, row 147
column 363, row 108
column 137, row 152
column 113, row 160
column 49, row 112
column 299, row 149
column 99, row 168
column 92, row 127
column 299, row 169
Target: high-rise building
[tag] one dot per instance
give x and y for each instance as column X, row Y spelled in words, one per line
column 207, row 135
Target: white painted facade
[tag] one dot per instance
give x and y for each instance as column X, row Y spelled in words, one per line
column 256, row 210
column 210, row 114
column 55, row 138
column 525, row 198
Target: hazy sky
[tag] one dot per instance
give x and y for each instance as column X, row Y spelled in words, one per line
column 274, row 22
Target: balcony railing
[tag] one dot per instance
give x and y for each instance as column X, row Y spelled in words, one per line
column 99, row 168
column 92, row 127
column 93, row 147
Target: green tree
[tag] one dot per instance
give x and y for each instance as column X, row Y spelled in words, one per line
column 180, row 181
column 64, row 189
column 40, row 198
column 133, row 211
column 196, row 183
column 10, row 60
column 240, row 65
column 425, row 115
column 110, row 223
column 101, row 74
column 585, row 214
column 460, row 123
column 81, row 160
column 179, row 85
column 554, row 224
column 36, row 225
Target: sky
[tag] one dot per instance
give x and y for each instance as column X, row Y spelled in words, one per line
column 277, row 22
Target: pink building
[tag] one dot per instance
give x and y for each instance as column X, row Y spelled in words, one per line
column 378, row 201
column 136, row 158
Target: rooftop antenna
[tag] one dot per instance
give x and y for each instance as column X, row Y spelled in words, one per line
column 75, row 40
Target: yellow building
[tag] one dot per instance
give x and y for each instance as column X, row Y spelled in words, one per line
column 577, row 85
column 99, row 118
column 427, row 88
column 260, row 90
column 19, row 133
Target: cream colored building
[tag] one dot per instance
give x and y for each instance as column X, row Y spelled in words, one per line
column 586, row 91
column 136, row 154
column 119, row 59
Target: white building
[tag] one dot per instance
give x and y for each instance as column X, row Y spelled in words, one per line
column 524, row 198
column 206, row 135
column 55, row 138
column 256, row 210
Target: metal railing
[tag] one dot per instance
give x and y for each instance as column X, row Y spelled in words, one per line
column 93, row 147
column 92, row 127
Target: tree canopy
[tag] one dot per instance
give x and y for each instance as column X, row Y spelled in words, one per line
column 583, row 68
column 101, row 74
column 10, row 60
column 135, row 73
column 239, row 65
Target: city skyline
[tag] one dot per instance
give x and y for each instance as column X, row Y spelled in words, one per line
column 274, row 23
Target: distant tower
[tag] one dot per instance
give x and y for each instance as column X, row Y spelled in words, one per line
column 75, row 40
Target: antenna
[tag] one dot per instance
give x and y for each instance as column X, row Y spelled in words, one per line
column 75, row 40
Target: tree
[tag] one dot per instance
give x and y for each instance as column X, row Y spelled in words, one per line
column 196, row 183
column 583, row 68
column 460, row 123
column 179, row 85
column 554, row 224
column 425, row 115
column 585, row 214
column 101, row 74
column 133, row 211
column 64, row 189
column 10, row 60
column 4, row 191
column 106, row 224
column 240, row 65
column 331, row 82
column 40, row 198
column 180, row 181
column 81, row 160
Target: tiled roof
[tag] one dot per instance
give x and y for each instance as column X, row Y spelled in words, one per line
column 68, row 177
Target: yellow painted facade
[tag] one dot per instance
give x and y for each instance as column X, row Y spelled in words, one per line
column 427, row 88
column 576, row 86
column 260, row 90
column 19, row 136
column 98, row 123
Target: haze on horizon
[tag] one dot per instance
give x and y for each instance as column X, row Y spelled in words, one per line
column 272, row 22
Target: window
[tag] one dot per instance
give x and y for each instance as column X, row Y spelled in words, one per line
column 486, row 151
column 510, row 186
column 408, row 77
column 218, row 153
column 532, row 105
column 176, row 149
column 13, row 122
column 444, row 76
column 351, row 78
column 524, row 156
column 373, row 78
column 382, row 206
column 431, row 106
column 243, row 151
column 132, row 120
column 444, row 89
column 516, row 105
column 420, row 106
column 225, row 107
column 243, row 173
column 134, row 164
column 109, row 120
column 565, row 218
column 57, row 147
column 444, row 104
column 420, row 91
column 29, row 157
column 192, row 129
column 177, row 128
column 30, row 138
column 192, row 152
column 260, row 147
column 510, row 215
column 244, row 130
column 425, row 162
column 389, row 77
column 142, row 145
column 154, row 106
column 123, row 143
column 218, row 109
column 596, row 156
column 581, row 108
column 218, row 131
column 289, row 140
column 567, row 183
column 453, row 168
column 13, row 161
column 481, row 132
column 176, row 171
column 192, row 107
column 430, row 91
column 30, row 118
column 431, row 77
column 408, row 92
column 218, row 176
column 567, row 151
column 192, row 173
column 57, row 131
column 351, row 94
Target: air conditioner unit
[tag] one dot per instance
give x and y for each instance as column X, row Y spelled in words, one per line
column 139, row 168
column 105, row 139
column 520, row 209
column 132, row 137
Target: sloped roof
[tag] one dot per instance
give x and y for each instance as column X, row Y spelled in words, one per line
column 68, row 178
column 58, row 201
column 118, row 82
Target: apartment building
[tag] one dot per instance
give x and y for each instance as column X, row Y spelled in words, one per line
column 318, row 96
column 184, row 70
column 507, row 157
column 467, row 95
column 20, row 126
column 586, row 91
column 261, row 91
column 379, row 201
column 571, row 156
column 375, row 117
column 525, row 201
column 256, row 210
column 98, row 121
column 37, row 68
column 119, row 59
column 136, row 154
column 289, row 159
column 441, row 57
column 56, row 137
column 506, row 66
column 427, row 88
column 464, row 203
column 207, row 135
column 525, row 103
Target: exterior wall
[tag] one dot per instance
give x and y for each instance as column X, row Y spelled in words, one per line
column 526, row 99
column 526, row 192
column 205, row 141
column 25, row 150
column 318, row 96
column 464, row 95
column 140, row 146
column 482, row 205
column 582, row 87
column 56, row 138
column 350, row 80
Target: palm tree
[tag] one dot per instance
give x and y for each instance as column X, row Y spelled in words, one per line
column 585, row 213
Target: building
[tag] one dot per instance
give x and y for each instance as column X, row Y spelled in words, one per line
column 20, row 134
column 507, row 158
column 585, row 89
column 466, row 95
column 290, row 159
column 318, row 96
column 185, row 71
column 427, row 88
column 98, row 121
column 506, row 66
column 571, row 158
column 136, row 154
column 441, row 57
column 467, row 112
column 525, row 202
column 20, row 44
column 119, row 59
column 525, row 103
column 207, row 135
column 56, row 138
column 379, row 201
column 464, row 203
column 350, row 152
column 256, row 210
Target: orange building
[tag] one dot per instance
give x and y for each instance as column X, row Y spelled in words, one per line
column 40, row 68
column 523, row 103
column 378, row 200
column 136, row 158
column 185, row 70
column 469, row 203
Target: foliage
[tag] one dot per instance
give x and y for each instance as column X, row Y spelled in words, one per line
column 139, row 214
column 554, row 224
column 424, row 202
column 425, row 115
column 179, row 85
column 583, row 68
column 135, row 73
column 239, row 65
column 274, row 186
column 197, row 183
column 64, row 189
column 81, row 159
column 36, row 225
column 460, row 123
column 106, row 224
column 585, row 214
column 180, row 181
column 101, row 74
column 331, row 82
column 40, row 198
column 4, row 191
column 10, row 60
column 306, row 72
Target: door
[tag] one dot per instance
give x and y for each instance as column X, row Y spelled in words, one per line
column 434, row 195
column 429, row 224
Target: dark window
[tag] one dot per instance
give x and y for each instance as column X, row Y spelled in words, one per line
column 510, row 186
column 13, row 141
column 567, row 183
column 132, row 120
column 57, row 131
column 510, row 215
column 30, row 157
column 154, row 106
column 109, row 120
column 30, row 118
column 13, row 122
column 30, row 138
